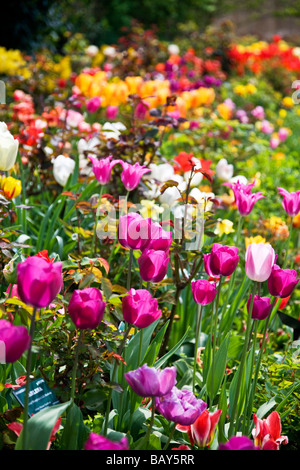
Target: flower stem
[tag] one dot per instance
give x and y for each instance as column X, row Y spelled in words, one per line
column 129, row 269
column 288, row 244
column 170, row 436
column 27, row 387
column 146, row 437
column 241, row 367
column 97, row 219
column 198, row 327
column 75, row 366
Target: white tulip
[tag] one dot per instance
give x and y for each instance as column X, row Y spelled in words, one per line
column 62, row 169
column 112, row 130
column 173, row 49
column 8, row 148
column 224, row 170
column 161, row 173
column 92, row 50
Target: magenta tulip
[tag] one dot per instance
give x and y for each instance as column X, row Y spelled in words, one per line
column 93, row 104
column 98, row 442
column 222, row 260
column 39, row 281
column 282, row 282
column 15, row 339
column 139, row 308
column 86, row 308
column 160, row 239
column 132, row 174
column 290, row 201
column 153, row 265
column 151, row 382
column 102, row 168
column 203, row 291
column 238, row 443
column 259, row 259
column 244, row 198
column 134, row 231
column 180, row 406
column 261, row 307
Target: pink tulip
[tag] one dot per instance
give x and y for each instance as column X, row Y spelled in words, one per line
column 102, row 168
column 132, row 174
column 290, row 202
column 39, row 281
column 203, row 291
column 93, row 104
column 98, row 442
column 153, row 265
column 259, row 260
column 151, row 382
column 283, row 134
column 111, row 112
column 134, row 231
column 244, row 198
column 139, row 308
column 86, row 308
column 238, row 443
column 222, row 260
column 16, row 341
column 160, row 239
column 261, row 307
column 267, row 432
column 282, row 282
column 180, row 406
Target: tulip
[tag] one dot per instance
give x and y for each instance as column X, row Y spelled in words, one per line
column 244, row 199
column 134, row 231
column 139, row 308
column 8, row 148
column 267, row 432
column 260, row 258
column 290, row 202
column 261, row 307
column 15, row 339
column 153, row 265
column 11, row 187
column 98, row 442
column 93, row 104
column 102, row 168
column 224, row 170
column 63, row 167
column 222, row 260
column 282, row 282
column 39, row 281
column 180, row 406
column 112, row 130
column 203, row 291
column 151, row 382
column 160, row 239
column 132, row 174
column 86, row 308
column 258, row 112
column 238, row 443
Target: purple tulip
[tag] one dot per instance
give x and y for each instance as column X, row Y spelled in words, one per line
column 139, row 308
column 259, row 260
column 153, row 265
column 222, row 260
column 98, row 442
column 180, row 406
column 261, row 307
column 282, row 282
column 203, row 291
column 244, row 198
column 102, row 168
column 290, row 202
column 132, row 174
column 86, row 308
column 151, row 382
column 39, row 281
column 238, row 443
column 134, row 231
column 16, row 340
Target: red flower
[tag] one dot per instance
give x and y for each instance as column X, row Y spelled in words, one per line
column 203, row 429
column 44, row 254
column 17, row 428
column 267, row 432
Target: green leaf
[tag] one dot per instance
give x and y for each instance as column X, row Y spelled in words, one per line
column 169, row 354
column 40, row 426
column 75, row 433
column 216, row 371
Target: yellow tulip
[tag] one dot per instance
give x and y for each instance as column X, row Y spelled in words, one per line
column 11, row 187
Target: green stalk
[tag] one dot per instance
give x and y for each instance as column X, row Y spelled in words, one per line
column 129, row 269
column 116, row 237
column 94, row 242
column 242, row 365
column 27, row 387
column 214, row 333
column 75, row 366
column 147, row 436
column 198, row 328
column 170, row 436
column 140, row 347
column 288, row 244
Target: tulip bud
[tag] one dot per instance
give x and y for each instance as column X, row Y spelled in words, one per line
column 139, row 308
column 222, row 260
column 39, row 281
column 11, row 187
column 86, row 308
column 203, row 291
column 259, row 259
column 151, row 382
column 97, row 442
column 134, row 231
column 16, row 341
column 153, row 265
column 282, row 282
column 8, row 148
column 62, row 169
column 261, row 307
